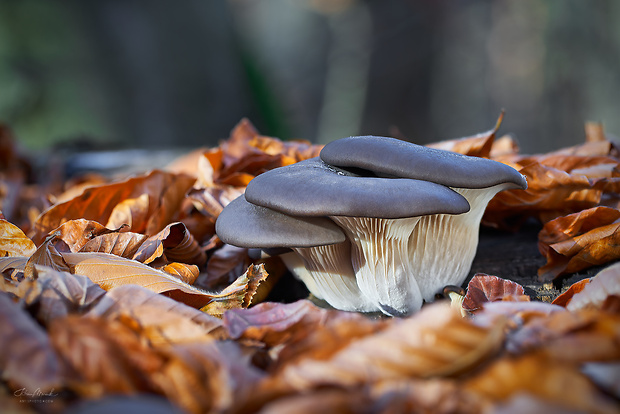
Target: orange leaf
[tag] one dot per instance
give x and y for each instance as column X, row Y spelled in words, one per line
column 485, row 288
column 161, row 319
column 559, row 384
column 120, row 244
column 109, row 271
column 606, row 283
column 175, row 242
column 185, row 272
column 13, row 241
column 478, row 145
column 437, row 341
column 27, row 359
column 567, row 296
column 165, row 193
column 105, row 356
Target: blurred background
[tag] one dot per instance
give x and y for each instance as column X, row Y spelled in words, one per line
column 110, row 74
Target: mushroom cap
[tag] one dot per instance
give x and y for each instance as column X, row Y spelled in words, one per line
column 244, row 224
column 313, row 188
column 394, row 157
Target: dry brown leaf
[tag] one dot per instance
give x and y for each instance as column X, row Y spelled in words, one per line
column 162, row 320
column 564, row 298
column 105, row 356
column 120, row 244
column 206, row 376
column 132, row 212
column 185, row 272
column 485, row 288
column 75, row 234
column 606, row 283
column 224, row 265
column 573, row 337
column 478, row 145
column 62, row 293
column 13, row 241
column 437, row 341
column 436, row 395
column 174, row 243
column 164, row 190
column 109, row 271
column 551, row 193
column 27, row 359
column 593, row 247
column 239, row 294
column 535, row 374
column 46, row 255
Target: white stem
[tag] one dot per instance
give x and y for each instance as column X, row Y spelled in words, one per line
column 328, row 275
column 380, row 261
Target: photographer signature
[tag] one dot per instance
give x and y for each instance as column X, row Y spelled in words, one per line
column 24, row 392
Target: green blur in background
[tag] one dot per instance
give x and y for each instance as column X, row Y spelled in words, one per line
column 160, row 74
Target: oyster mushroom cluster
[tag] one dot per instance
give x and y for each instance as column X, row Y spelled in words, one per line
column 373, row 223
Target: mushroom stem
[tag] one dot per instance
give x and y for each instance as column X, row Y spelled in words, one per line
column 380, row 261
column 438, row 234
column 328, row 274
column 399, row 263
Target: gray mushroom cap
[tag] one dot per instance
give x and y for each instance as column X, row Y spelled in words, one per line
column 244, row 224
column 313, row 188
column 394, row 157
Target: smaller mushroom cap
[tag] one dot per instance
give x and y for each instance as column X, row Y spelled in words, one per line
column 313, row 188
column 391, row 156
column 244, row 224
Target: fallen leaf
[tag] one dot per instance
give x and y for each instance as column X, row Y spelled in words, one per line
column 132, row 212
column 206, row 376
column 564, row 298
column 45, row 255
column 75, row 234
column 13, row 241
column 535, row 374
column 485, row 288
column 224, row 265
column 27, row 359
column 124, row 244
column 551, row 193
column 594, row 248
column 105, row 357
column 239, row 294
column 175, row 243
column 578, row 241
column 437, row 341
column 165, row 191
column 606, row 283
column 109, row 271
column 479, row 145
column 185, row 272
column 162, row 320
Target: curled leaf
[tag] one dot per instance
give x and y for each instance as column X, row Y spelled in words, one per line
column 579, row 241
column 437, row 341
column 559, row 384
column 175, row 242
column 485, row 288
column 13, row 241
column 27, row 359
column 160, row 318
column 606, row 283
column 165, row 193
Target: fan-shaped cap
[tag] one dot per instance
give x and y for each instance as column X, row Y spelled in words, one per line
column 313, row 188
column 244, row 224
column 390, row 156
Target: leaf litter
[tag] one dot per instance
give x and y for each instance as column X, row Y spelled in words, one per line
column 122, row 288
